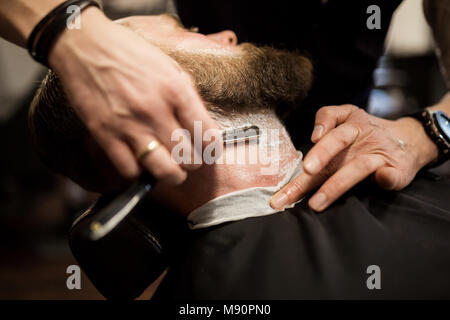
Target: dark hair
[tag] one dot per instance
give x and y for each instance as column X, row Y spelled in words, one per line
column 63, row 141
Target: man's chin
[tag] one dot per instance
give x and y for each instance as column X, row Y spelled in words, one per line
column 241, row 78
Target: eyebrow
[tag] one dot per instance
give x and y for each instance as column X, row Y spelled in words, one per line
column 176, row 19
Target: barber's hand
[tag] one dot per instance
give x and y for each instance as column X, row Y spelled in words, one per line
column 350, row 146
column 128, row 93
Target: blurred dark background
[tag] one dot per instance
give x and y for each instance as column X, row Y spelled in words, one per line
column 37, row 207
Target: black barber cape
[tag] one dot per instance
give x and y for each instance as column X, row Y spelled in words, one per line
column 332, row 33
column 299, row 254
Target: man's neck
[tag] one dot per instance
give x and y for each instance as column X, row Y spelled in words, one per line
column 212, row 181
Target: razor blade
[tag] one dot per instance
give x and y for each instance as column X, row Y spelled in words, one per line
column 242, row 134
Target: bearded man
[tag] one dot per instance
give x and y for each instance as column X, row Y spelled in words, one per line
column 232, row 244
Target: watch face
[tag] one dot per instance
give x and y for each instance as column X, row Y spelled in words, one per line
column 443, row 123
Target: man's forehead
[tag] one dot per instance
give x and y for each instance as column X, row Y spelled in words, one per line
column 162, row 21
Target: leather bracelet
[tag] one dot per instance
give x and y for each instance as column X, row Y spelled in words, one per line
column 426, row 118
column 50, row 27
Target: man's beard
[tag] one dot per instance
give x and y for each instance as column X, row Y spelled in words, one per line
column 248, row 80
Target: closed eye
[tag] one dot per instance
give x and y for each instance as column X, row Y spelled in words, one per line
column 179, row 24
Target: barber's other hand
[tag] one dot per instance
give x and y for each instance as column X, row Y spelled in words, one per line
column 350, row 146
column 128, row 93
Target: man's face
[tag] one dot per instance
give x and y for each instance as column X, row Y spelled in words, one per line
column 234, row 81
column 167, row 31
column 230, row 78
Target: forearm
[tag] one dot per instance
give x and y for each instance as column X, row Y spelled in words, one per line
column 443, row 105
column 437, row 14
column 18, row 17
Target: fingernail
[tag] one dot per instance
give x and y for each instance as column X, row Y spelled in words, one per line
column 317, row 133
column 312, row 164
column 279, row 201
column 318, row 201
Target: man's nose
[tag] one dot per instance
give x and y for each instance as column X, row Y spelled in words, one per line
column 226, row 37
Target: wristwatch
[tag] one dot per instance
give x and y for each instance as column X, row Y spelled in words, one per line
column 437, row 127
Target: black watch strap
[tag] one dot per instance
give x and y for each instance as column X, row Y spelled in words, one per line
column 437, row 127
column 45, row 33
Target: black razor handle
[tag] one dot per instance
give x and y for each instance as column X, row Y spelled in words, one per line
column 119, row 207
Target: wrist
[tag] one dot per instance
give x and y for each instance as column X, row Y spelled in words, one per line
column 425, row 150
column 91, row 19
